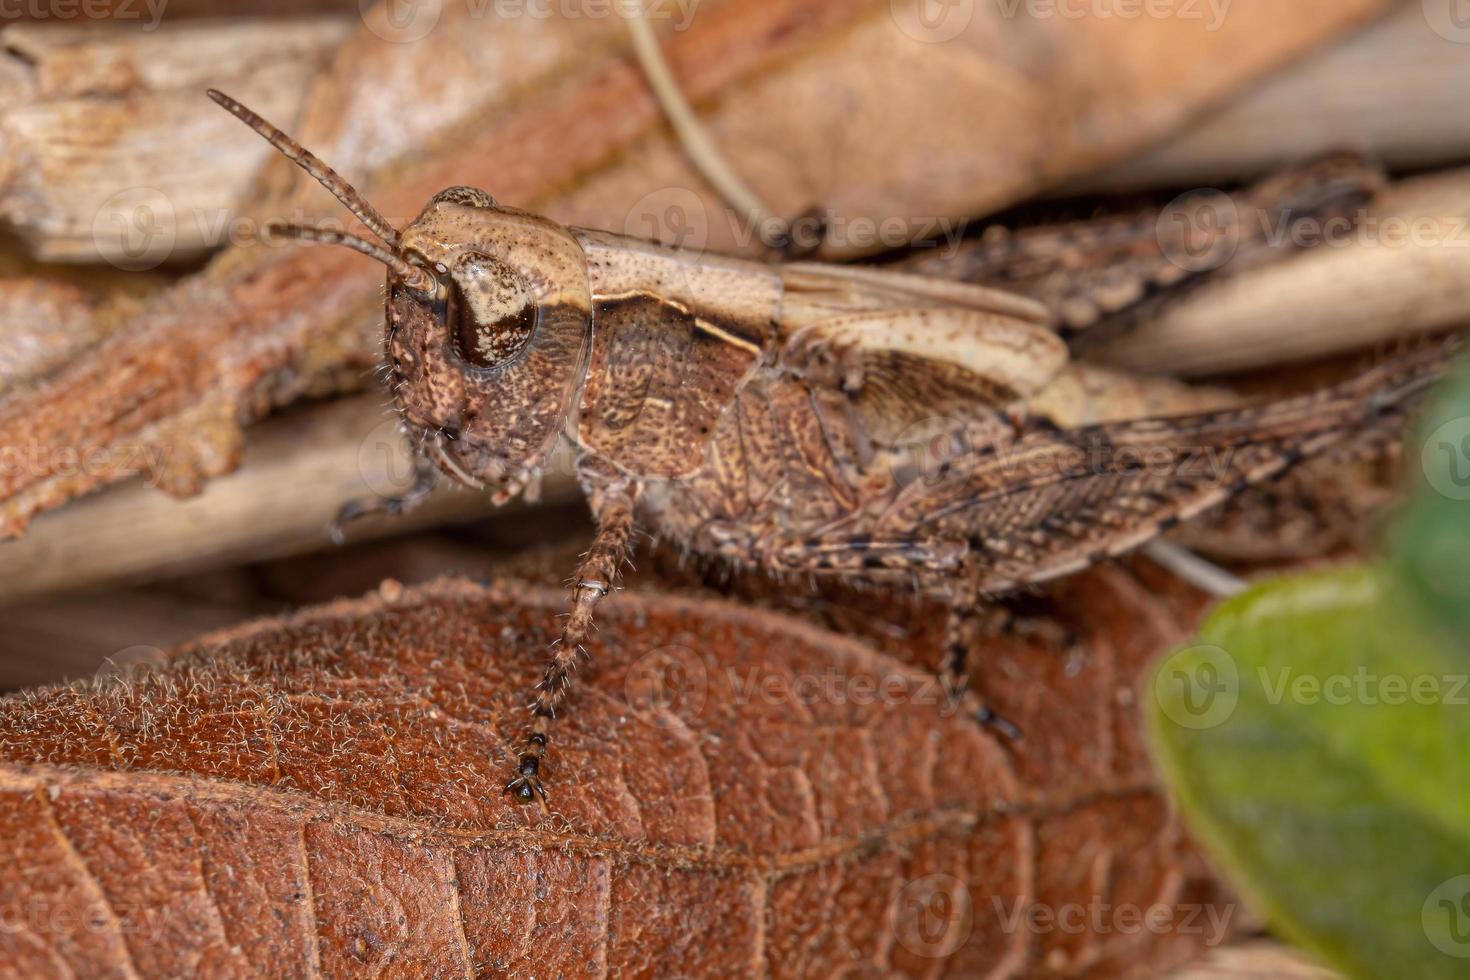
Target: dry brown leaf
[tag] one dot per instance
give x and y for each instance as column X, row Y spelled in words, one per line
column 321, row 793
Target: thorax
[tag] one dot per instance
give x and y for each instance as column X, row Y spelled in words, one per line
column 675, row 335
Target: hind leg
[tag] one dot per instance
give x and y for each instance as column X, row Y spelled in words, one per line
column 947, row 566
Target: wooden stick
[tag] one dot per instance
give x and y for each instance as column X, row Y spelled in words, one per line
column 1405, row 271
column 75, row 191
column 298, row 470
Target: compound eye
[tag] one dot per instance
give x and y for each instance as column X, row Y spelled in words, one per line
column 469, row 196
column 491, row 309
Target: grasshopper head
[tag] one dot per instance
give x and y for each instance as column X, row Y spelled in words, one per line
column 491, row 352
column 488, row 315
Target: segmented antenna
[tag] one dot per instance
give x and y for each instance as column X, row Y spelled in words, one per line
column 414, row 277
column 307, row 161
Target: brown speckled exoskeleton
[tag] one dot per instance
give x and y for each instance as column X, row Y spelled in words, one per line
column 783, row 416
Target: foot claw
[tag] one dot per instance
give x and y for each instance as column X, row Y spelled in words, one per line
column 356, row 510
column 523, row 789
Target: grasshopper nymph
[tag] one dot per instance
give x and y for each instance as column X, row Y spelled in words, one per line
column 769, row 415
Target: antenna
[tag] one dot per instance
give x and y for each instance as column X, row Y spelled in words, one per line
column 307, row 161
column 414, row 277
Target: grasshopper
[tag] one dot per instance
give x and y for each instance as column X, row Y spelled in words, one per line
column 777, row 416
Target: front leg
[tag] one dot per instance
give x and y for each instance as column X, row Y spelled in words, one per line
column 425, row 477
column 612, row 507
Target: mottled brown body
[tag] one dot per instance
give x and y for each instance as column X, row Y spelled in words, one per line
column 800, row 418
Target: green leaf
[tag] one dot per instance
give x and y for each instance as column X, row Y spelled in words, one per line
column 1432, row 536
column 1318, row 738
